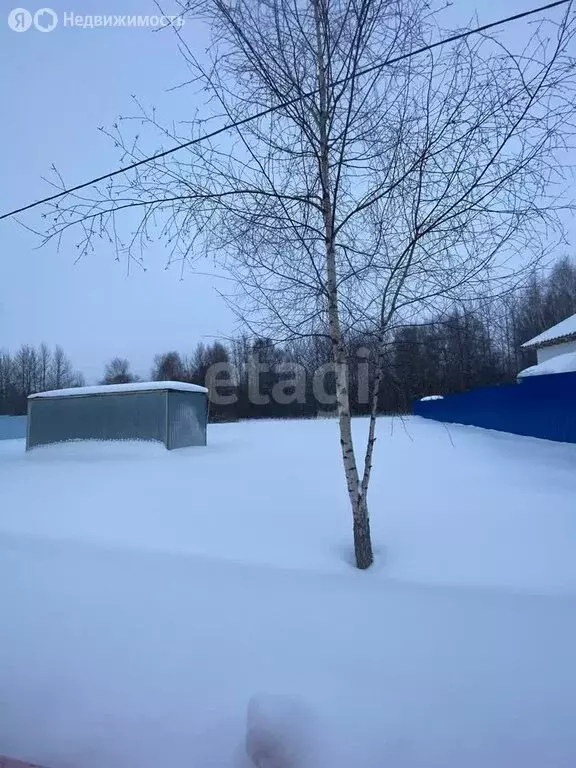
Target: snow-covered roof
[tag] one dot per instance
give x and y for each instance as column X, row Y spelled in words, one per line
column 560, row 364
column 110, row 389
column 560, row 330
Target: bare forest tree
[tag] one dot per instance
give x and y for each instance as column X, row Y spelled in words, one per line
column 372, row 195
column 168, row 367
column 44, row 366
column 33, row 370
column 6, row 376
column 61, row 375
column 118, row 371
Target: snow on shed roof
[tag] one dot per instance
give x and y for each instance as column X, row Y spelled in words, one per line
column 560, row 330
column 560, row 364
column 110, row 389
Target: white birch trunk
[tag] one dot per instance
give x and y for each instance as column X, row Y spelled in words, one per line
column 356, row 493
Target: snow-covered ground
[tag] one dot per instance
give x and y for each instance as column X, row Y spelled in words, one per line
column 147, row 597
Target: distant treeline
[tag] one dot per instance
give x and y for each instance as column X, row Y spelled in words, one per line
column 249, row 377
column 31, row 370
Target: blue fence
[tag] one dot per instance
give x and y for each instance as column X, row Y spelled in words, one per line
column 12, row 427
column 539, row 406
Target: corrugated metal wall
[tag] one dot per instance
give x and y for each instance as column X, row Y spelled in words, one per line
column 130, row 416
column 538, row 406
column 177, row 419
column 12, row 427
column 187, row 417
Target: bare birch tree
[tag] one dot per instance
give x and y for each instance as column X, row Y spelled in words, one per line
column 372, row 194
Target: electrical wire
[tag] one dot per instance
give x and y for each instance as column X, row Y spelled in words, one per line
column 284, row 104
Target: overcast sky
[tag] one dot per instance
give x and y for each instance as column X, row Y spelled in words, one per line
column 56, row 88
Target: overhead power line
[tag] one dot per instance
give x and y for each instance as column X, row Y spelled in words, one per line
column 287, row 103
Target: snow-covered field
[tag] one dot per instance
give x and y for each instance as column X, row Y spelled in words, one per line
column 147, row 597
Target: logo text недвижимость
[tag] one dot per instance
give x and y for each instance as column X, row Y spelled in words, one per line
column 46, row 20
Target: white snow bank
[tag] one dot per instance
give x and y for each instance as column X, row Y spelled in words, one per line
column 565, row 328
column 565, row 363
column 175, row 608
column 110, row 389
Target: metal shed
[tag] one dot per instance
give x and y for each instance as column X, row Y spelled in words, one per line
column 169, row 412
